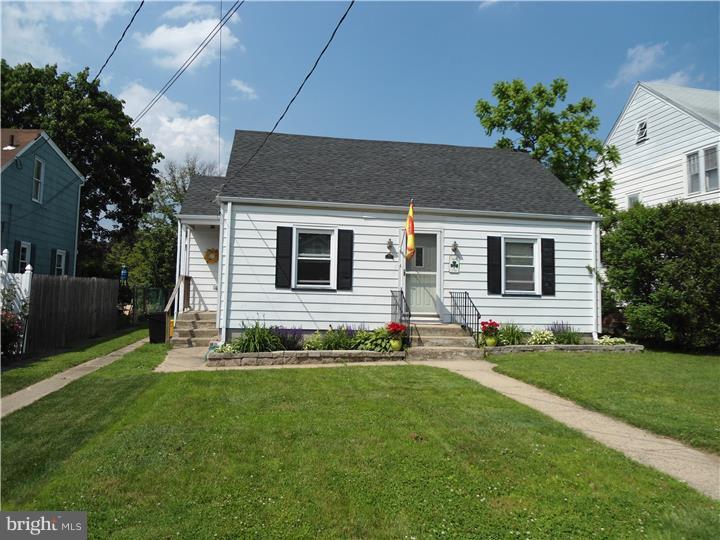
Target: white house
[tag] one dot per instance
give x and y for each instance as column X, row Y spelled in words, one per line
column 668, row 138
column 309, row 233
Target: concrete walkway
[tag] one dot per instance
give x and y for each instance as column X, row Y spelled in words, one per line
column 698, row 469
column 22, row 398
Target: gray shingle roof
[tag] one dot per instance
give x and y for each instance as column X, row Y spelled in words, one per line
column 323, row 169
column 201, row 194
column 702, row 104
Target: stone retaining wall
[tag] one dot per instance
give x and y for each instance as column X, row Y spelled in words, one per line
column 509, row 349
column 299, row 357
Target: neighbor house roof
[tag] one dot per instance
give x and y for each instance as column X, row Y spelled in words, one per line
column 201, row 194
column 702, row 104
column 364, row 172
column 15, row 140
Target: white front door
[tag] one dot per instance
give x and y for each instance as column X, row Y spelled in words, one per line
column 421, row 276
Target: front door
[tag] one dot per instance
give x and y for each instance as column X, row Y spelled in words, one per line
column 421, row 276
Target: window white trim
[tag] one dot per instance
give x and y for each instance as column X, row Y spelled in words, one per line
column 641, row 131
column 62, row 254
column 332, row 231
column 40, row 181
column 638, row 200
column 537, row 277
column 702, row 181
column 22, row 263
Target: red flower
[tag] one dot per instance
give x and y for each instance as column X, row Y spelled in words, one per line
column 489, row 328
column 396, row 328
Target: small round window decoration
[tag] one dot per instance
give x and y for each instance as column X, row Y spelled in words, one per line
column 211, row 256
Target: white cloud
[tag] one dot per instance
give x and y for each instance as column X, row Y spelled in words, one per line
column 639, row 60
column 173, row 128
column 25, row 27
column 682, row 77
column 245, row 89
column 487, row 3
column 174, row 44
column 192, row 10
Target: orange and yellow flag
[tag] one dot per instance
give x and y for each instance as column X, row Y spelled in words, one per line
column 410, row 232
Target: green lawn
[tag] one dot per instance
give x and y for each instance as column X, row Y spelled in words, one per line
column 354, row 452
column 22, row 376
column 672, row 394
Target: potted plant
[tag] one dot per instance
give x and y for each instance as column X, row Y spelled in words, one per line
column 490, row 331
column 396, row 331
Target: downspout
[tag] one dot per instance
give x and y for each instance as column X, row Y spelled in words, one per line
column 226, row 292
column 594, row 274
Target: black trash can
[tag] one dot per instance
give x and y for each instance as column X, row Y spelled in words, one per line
column 156, row 323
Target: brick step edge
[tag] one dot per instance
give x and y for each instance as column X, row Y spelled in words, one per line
column 278, row 358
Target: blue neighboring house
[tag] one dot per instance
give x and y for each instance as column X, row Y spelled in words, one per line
column 40, row 203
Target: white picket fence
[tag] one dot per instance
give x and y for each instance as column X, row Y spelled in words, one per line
column 21, row 282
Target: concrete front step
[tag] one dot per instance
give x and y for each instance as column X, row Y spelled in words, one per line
column 197, row 316
column 195, row 333
column 437, row 330
column 191, row 325
column 444, row 353
column 178, row 342
column 442, row 341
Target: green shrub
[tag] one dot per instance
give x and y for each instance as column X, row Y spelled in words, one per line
column 609, row 340
column 375, row 340
column 291, row 338
column 541, row 337
column 511, row 334
column 314, row 342
column 663, row 264
column 256, row 338
column 565, row 334
column 335, row 339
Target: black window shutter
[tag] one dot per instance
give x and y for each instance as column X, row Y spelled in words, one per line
column 33, row 252
column 494, row 270
column 68, row 258
column 283, row 257
column 53, row 261
column 345, row 260
column 15, row 266
column 548, row 266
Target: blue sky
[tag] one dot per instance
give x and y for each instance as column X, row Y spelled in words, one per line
column 397, row 71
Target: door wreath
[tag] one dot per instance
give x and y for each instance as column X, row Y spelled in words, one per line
column 211, row 256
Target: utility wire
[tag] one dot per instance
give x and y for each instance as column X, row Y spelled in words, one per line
column 297, row 92
column 193, row 56
column 119, row 40
column 220, row 91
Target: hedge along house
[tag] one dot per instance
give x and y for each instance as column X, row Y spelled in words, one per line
column 309, row 234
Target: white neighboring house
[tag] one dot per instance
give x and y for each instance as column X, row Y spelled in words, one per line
column 668, row 137
column 310, row 234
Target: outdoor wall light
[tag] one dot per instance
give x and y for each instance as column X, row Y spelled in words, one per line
column 455, row 247
column 389, row 254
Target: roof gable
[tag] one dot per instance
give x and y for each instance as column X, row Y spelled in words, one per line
column 24, row 140
column 701, row 104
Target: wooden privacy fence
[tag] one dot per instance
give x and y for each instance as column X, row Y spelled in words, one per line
column 66, row 309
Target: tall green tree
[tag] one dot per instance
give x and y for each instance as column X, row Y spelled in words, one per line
column 563, row 139
column 90, row 127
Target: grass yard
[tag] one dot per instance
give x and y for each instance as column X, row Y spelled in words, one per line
column 25, row 374
column 354, row 452
column 672, row 394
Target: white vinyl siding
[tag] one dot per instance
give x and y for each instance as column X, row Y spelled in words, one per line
column 658, row 168
column 204, row 289
column 253, row 295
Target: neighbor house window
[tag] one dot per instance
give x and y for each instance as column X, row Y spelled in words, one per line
column 520, row 266
column 641, row 131
column 60, row 262
column 38, row 180
column 24, row 256
column 711, row 168
column 693, row 166
column 633, row 200
column 314, row 259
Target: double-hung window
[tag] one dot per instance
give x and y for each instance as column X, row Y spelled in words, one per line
column 711, row 168
column 59, row 269
column 693, row 168
column 38, row 180
column 520, row 266
column 24, row 256
column 315, row 258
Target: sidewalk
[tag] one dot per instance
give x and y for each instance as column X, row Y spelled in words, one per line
column 698, row 469
column 22, row 398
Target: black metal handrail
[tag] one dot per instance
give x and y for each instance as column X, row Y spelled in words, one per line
column 401, row 310
column 464, row 312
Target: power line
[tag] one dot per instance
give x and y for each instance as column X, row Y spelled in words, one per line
column 188, row 62
column 119, row 40
column 287, row 108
